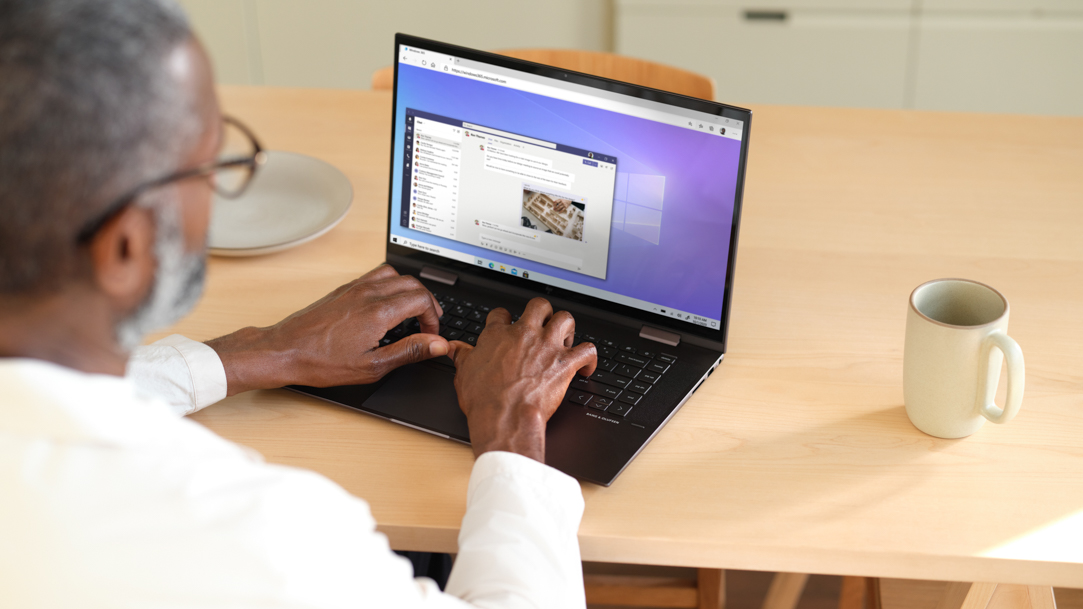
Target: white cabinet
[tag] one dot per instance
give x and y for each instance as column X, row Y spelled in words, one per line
column 786, row 56
column 999, row 6
column 1020, row 56
column 1000, row 62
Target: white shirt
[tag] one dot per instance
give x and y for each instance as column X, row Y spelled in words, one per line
column 108, row 498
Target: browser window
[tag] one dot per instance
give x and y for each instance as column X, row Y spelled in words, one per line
column 618, row 197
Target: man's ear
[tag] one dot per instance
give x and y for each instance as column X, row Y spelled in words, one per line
column 123, row 259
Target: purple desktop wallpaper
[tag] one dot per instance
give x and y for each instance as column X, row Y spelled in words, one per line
column 669, row 241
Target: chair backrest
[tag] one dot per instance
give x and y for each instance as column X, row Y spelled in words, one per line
column 606, row 65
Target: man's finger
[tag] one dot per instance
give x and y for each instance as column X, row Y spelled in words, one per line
column 583, row 358
column 401, row 283
column 416, row 303
column 561, row 328
column 412, row 349
column 459, row 351
column 538, row 311
column 498, row 315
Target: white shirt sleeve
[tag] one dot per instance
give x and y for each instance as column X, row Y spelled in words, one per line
column 518, row 545
column 186, row 374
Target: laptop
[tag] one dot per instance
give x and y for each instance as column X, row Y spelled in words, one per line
column 618, row 203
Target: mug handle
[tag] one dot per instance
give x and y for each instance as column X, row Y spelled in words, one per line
column 1016, row 378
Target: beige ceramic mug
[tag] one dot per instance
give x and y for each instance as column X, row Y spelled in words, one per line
column 956, row 340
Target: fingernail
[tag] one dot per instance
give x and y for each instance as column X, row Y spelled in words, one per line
column 438, row 348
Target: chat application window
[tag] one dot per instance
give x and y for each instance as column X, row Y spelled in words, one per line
column 508, row 192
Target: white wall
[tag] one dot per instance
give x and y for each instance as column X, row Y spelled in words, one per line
column 1023, row 56
column 340, row 43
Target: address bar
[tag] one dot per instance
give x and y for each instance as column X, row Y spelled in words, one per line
column 580, row 98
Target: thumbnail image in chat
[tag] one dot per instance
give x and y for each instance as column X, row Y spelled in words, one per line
column 553, row 214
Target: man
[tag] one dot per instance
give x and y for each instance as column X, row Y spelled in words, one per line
column 109, row 131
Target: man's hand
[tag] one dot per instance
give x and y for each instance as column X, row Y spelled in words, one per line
column 335, row 341
column 513, row 381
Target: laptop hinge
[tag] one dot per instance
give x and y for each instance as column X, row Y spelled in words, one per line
column 438, row 275
column 660, row 336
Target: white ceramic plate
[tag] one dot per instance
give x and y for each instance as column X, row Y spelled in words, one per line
column 294, row 199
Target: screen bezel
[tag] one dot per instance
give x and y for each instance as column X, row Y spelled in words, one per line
column 654, row 319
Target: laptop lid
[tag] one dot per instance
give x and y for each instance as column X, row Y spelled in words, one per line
column 622, row 197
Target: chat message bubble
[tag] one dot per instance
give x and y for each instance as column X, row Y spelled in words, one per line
column 527, row 167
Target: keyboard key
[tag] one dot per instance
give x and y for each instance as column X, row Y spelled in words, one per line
column 605, row 351
column 658, row 367
column 452, row 334
column 607, row 364
column 470, row 339
column 609, row 343
column 669, row 359
column 589, row 338
column 484, row 310
column 580, row 397
column 475, row 328
column 647, row 354
column 580, row 382
column 639, row 387
column 477, row 316
column 610, row 379
column 628, row 358
column 630, row 398
column 385, row 342
column 460, row 311
column 603, row 390
column 602, row 403
column 649, row 377
column 619, row 409
column 628, row 371
column 451, row 299
column 458, row 323
column 630, row 350
column 466, row 304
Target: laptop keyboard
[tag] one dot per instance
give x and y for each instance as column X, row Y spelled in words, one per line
column 625, row 374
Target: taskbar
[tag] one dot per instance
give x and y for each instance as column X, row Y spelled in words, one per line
column 510, row 269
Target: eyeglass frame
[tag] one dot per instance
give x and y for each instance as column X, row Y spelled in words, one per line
column 254, row 162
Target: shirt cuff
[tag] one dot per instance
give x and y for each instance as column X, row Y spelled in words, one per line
column 189, row 375
column 563, row 495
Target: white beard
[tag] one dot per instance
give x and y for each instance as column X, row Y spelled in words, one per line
column 178, row 281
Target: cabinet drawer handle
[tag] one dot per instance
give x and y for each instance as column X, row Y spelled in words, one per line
column 755, row 15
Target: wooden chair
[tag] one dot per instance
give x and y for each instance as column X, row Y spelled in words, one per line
column 706, row 591
column 875, row 593
column 606, row 65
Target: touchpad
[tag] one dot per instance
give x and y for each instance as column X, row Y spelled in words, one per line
column 422, row 395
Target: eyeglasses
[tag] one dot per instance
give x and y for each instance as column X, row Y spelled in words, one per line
column 239, row 157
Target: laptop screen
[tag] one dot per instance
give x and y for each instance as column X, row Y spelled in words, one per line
column 619, row 197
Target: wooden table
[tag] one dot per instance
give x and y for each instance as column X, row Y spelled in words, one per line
column 797, row 454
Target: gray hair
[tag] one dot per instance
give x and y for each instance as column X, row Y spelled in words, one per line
column 87, row 112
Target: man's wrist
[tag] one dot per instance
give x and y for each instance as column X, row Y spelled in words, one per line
column 251, row 360
column 525, row 436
